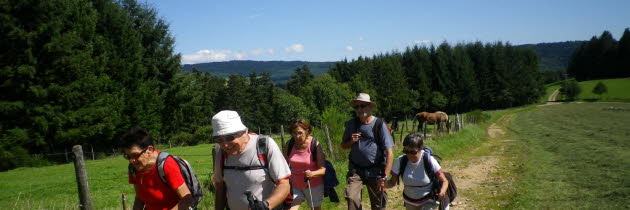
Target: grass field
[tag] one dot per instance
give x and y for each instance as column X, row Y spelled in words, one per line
column 618, row 90
column 571, row 156
column 54, row 187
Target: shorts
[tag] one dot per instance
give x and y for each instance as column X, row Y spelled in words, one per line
column 300, row 195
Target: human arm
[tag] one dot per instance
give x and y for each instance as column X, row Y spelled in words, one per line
column 444, row 186
column 138, row 204
column 279, row 194
column 220, row 199
column 320, row 164
column 185, row 197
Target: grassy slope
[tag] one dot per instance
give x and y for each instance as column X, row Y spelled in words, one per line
column 618, row 90
column 571, row 156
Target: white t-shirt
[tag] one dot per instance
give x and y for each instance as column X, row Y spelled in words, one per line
column 417, row 183
column 256, row 181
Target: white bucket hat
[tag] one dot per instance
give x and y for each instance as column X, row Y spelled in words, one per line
column 226, row 122
column 363, row 98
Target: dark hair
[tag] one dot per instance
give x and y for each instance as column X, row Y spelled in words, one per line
column 135, row 137
column 414, row 140
column 301, row 123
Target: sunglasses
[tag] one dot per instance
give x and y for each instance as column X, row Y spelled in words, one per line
column 410, row 152
column 227, row 138
column 136, row 156
column 360, row 106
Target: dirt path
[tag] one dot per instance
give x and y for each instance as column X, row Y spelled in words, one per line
column 474, row 174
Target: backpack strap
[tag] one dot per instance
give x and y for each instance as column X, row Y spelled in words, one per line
column 314, row 149
column 403, row 165
column 161, row 160
column 290, row 146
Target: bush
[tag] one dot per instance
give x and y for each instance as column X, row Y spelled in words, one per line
column 203, row 134
column 476, row 116
column 182, row 138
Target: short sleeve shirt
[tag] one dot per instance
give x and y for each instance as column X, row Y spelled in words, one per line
column 256, row 181
column 153, row 191
column 417, row 182
column 365, row 150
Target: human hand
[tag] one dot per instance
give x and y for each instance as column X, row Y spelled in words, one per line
column 308, row 174
column 381, row 183
column 356, row 137
column 441, row 194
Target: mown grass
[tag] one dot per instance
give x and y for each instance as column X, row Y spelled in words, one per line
column 570, row 156
column 618, row 90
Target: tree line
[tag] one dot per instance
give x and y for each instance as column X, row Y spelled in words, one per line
column 449, row 78
column 84, row 71
column 601, row 57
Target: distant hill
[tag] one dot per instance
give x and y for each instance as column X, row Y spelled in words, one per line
column 280, row 71
column 554, row 56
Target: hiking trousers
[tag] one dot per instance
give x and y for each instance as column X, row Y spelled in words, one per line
column 354, row 189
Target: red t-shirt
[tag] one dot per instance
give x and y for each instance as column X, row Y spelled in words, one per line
column 152, row 191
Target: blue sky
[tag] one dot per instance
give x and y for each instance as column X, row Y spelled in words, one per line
column 211, row 30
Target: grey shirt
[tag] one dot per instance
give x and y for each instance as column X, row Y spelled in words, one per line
column 256, row 181
column 365, row 151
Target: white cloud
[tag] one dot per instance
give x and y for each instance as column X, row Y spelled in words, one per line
column 424, row 41
column 202, row 56
column 348, row 48
column 360, row 38
column 261, row 51
column 297, row 48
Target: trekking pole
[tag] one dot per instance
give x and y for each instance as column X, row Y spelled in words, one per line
column 380, row 197
column 310, row 192
column 124, row 201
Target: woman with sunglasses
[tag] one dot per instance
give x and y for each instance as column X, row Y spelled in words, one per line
column 418, row 190
column 304, row 168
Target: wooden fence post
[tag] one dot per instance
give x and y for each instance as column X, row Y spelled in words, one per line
column 330, row 146
column 124, row 200
column 82, row 178
column 282, row 136
column 67, row 160
column 92, row 148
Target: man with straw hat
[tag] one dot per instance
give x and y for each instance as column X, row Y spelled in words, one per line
column 370, row 160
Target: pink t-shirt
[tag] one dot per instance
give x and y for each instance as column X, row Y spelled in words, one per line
column 299, row 162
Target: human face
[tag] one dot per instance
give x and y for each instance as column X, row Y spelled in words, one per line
column 233, row 144
column 299, row 134
column 362, row 109
column 141, row 159
column 413, row 154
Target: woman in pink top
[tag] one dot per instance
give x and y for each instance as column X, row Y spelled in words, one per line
column 303, row 167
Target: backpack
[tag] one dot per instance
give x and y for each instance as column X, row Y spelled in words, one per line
column 379, row 136
column 187, row 173
column 262, row 152
column 451, row 191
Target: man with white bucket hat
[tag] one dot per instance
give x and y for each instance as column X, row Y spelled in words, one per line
column 370, row 159
column 240, row 166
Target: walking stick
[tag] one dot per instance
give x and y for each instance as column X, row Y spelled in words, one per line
column 310, row 192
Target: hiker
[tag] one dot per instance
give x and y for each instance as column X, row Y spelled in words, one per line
column 306, row 160
column 411, row 167
column 151, row 191
column 370, row 159
column 246, row 163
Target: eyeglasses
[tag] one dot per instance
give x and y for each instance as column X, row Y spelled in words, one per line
column 227, row 138
column 410, row 152
column 360, row 106
column 136, row 156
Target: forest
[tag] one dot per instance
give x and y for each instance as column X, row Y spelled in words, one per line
column 84, row 71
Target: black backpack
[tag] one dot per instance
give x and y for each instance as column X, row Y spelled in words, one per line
column 379, row 136
column 187, row 173
column 451, row 191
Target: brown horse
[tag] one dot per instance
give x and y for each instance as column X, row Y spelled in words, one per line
column 438, row 118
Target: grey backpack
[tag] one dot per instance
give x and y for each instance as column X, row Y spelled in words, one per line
column 187, row 173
